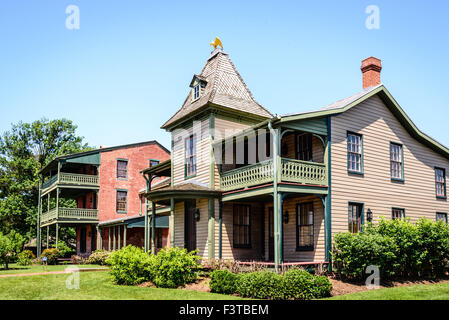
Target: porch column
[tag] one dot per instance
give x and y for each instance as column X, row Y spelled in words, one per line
column 99, row 238
column 211, row 229
column 48, row 235
column 220, row 229
column 109, row 235
column 146, row 226
column 153, row 228
column 327, row 200
column 119, row 239
column 124, row 235
column 39, row 213
column 113, row 239
column 277, row 217
column 57, row 202
column 57, row 233
column 172, row 222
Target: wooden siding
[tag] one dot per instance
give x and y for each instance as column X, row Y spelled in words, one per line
column 374, row 188
column 289, row 231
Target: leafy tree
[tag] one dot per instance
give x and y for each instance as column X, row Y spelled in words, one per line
column 24, row 150
column 10, row 246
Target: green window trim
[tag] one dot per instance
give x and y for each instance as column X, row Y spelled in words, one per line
column 444, row 214
column 440, row 196
column 298, row 227
column 402, row 178
column 397, row 209
column 150, row 160
column 193, row 137
column 126, row 201
column 361, row 205
column 237, row 224
column 351, row 171
column 117, row 169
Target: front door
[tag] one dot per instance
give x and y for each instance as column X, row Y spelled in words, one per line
column 189, row 225
column 83, row 240
column 270, row 234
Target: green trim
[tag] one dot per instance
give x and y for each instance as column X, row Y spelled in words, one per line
column 402, row 162
column 328, row 213
column 126, row 202
column 361, row 172
column 193, row 136
column 116, row 168
column 435, row 178
column 362, row 214
column 397, row 208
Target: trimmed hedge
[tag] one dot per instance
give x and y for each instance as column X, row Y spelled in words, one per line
column 293, row 284
column 398, row 247
column 98, row 257
column 52, row 255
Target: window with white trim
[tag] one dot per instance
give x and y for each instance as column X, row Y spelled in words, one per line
column 190, row 151
column 196, row 91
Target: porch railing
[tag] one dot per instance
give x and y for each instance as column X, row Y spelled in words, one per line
column 73, row 178
column 72, row 214
column 259, row 173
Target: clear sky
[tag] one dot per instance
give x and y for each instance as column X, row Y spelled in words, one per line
column 126, row 70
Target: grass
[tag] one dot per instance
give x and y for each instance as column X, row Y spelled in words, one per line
column 16, row 269
column 93, row 286
column 438, row 291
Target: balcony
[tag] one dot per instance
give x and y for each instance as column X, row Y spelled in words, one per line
column 296, row 171
column 70, row 215
column 72, row 179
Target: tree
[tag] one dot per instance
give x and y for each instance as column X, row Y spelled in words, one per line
column 24, row 151
column 10, row 246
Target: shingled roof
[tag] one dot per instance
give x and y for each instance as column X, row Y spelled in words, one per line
column 225, row 87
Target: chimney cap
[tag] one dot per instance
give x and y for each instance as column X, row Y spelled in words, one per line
column 371, row 63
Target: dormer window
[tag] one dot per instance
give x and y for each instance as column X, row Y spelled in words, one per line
column 196, row 91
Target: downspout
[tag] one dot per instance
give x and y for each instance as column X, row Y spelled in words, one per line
column 276, row 219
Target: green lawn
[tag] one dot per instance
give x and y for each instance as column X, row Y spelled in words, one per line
column 14, row 268
column 438, row 291
column 93, row 285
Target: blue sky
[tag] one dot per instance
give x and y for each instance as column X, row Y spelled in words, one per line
column 127, row 69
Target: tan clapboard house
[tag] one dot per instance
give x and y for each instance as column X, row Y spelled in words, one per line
column 247, row 185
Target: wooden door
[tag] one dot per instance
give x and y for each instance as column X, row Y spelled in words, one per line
column 189, row 225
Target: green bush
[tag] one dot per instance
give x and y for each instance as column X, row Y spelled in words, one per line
column 398, row 247
column 25, row 258
column 52, row 255
column 98, row 257
column 129, row 265
column 301, row 285
column 173, row 267
column 261, row 285
column 10, row 245
column 223, row 281
column 64, row 250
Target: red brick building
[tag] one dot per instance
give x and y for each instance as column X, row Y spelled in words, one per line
column 107, row 186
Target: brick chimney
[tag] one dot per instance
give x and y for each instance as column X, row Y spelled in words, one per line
column 371, row 68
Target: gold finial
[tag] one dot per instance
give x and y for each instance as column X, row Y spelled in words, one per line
column 216, row 43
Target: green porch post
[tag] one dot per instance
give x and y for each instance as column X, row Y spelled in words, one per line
column 109, row 240
column 153, row 228
column 39, row 213
column 48, row 236
column 172, row 222
column 211, row 229
column 118, row 237
column 220, row 229
column 113, row 239
column 146, row 236
column 328, row 199
column 276, row 198
column 57, row 234
column 124, row 235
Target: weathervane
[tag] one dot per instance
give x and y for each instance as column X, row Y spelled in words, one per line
column 216, row 43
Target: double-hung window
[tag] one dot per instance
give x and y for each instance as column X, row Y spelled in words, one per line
column 190, row 152
column 121, row 201
column 441, row 216
column 122, row 169
column 304, row 147
column 396, row 161
column 304, row 226
column 355, row 217
column 355, row 156
column 196, row 92
column 241, row 226
column 397, row 213
column 440, row 182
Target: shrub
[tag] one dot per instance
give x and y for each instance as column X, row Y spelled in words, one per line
column 25, row 258
column 173, row 267
column 129, row 265
column 65, row 250
column 74, row 259
column 301, row 285
column 352, row 253
column 52, row 255
column 223, row 281
column 261, row 285
column 98, row 257
column 10, row 246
